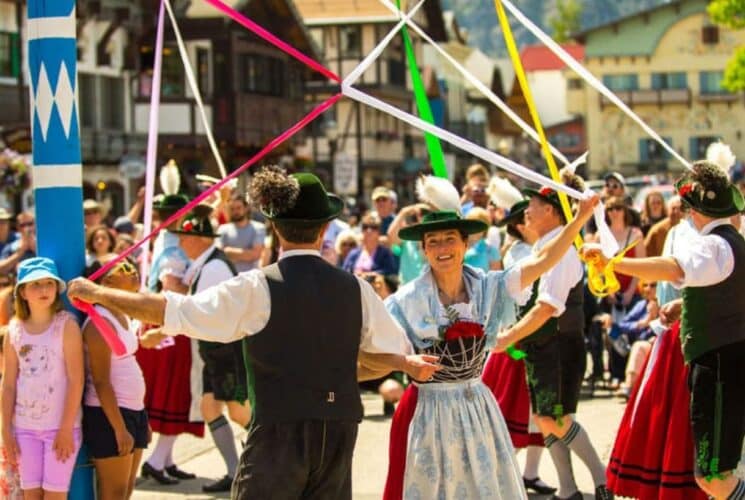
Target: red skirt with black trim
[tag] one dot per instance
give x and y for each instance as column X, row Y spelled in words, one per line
column 168, row 395
column 394, row 484
column 507, row 380
column 653, row 454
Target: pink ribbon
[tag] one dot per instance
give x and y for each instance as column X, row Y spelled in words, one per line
column 103, row 326
column 261, row 32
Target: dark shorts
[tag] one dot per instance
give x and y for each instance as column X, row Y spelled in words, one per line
column 98, row 435
column 716, row 380
column 555, row 367
column 224, row 372
column 310, row 459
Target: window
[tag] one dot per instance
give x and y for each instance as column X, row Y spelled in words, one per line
column 574, row 83
column 87, row 100
column 318, row 36
column 711, row 82
column 351, row 39
column 10, row 62
column 172, row 74
column 203, row 71
column 652, row 151
column 710, row 35
column 699, row 145
column 662, row 81
column 112, row 102
column 262, row 75
column 621, row 82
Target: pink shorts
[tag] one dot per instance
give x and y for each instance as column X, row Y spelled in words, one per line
column 38, row 465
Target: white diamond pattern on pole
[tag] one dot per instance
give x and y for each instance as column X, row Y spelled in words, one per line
column 44, row 101
column 64, row 97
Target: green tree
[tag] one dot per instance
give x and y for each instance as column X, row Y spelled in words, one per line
column 567, row 19
column 731, row 13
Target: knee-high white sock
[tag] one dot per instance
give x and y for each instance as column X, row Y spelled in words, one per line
column 163, row 450
column 222, row 433
column 532, row 460
column 563, row 462
column 578, row 441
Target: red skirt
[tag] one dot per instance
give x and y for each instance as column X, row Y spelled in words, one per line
column 394, row 484
column 653, row 454
column 507, row 380
column 168, row 389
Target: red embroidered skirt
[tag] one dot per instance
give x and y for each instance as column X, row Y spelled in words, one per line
column 507, row 380
column 653, row 454
column 168, row 387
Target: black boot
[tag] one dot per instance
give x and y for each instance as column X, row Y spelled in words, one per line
column 148, row 471
column 220, row 485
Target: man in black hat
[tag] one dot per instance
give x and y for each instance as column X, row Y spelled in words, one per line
column 711, row 272
column 551, row 334
column 302, row 322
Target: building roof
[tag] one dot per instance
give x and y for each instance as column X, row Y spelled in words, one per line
column 336, row 11
column 540, row 57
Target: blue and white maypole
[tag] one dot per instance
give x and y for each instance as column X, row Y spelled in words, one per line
column 57, row 170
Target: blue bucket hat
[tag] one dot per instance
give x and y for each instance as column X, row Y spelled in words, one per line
column 38, row 268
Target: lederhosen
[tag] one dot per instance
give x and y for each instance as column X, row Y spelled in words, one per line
column 304, row 394
column 556, row 359
column 223, row 374
column 712, row 334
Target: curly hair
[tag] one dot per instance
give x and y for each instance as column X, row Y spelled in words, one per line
column 273, row 191
column 706, row 175
column 572, row 180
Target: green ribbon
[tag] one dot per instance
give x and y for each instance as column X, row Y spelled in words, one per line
column 436, row 157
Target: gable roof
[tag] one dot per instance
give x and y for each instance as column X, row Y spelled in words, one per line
column 540, row 57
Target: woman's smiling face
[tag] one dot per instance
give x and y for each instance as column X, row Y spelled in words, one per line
column 444, row 249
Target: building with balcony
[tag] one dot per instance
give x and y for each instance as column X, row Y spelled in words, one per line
column 667, row 64
column 385, row 150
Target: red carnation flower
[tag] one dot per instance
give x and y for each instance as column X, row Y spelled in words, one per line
column 188, row 226
column 463, row 329
column 547, row 191
column 685, row 189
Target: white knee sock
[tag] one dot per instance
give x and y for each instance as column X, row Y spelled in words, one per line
column 163, row 450
column 532, row 459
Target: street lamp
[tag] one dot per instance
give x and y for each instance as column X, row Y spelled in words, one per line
column 331, row 131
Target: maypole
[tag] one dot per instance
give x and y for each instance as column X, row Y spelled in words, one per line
column 57, row 170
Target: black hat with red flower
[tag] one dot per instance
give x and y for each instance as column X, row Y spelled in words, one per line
column 547, row 194
column 196, row 225
column 708, row 190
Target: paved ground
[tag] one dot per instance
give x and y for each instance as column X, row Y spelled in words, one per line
column 600, row 416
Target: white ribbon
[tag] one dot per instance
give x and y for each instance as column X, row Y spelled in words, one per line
column 590, row 78
column 195, row 90
column 478, row 84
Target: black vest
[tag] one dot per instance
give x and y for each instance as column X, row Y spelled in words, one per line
column 216, row 254
column 714, row 316
column 303, row 364
column 570, row 321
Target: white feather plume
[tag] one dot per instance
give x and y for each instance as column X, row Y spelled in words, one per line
column 438, row 192
column 502, row 193
column 720, row 154
column 170, row 180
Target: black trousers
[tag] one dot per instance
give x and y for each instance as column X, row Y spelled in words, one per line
column 309, row 459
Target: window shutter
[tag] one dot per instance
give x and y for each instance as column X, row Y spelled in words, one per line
column 643, row 151
column 15, row 59
column 693, row 148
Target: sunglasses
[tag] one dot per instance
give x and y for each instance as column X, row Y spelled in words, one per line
column 650, row 285
column 26, row 224
column 370, row 227
column 613, row 185
column 615, row 208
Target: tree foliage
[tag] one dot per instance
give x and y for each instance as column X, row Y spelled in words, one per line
column 567, row 20
column 731, row 13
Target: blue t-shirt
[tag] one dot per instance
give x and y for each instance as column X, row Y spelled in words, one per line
column 481, row 254
column 412, row 261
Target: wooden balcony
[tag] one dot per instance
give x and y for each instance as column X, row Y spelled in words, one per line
column 719, row 97
column 651, row 97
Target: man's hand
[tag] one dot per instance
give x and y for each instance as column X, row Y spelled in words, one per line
column 670, row 312
column 591, row 252
column 82, row 289
column 421, row 366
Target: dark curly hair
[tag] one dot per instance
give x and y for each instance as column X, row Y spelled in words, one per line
column 273, row 191
column 706, row 176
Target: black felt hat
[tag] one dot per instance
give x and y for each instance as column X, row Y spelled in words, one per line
column 711, row 195
column 440, row 221
column 516, row 213
column 171, row 202
column 194, row 225
column 546, row 194
column 313, row 203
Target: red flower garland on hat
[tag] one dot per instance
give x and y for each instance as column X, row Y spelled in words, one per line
column 685, row 189
column 188, row 226
column 546, row 191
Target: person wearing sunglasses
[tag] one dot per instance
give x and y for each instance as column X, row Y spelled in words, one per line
column 22, row 248
column 371, row 255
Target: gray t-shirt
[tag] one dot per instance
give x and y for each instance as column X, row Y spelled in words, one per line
column 244, row 237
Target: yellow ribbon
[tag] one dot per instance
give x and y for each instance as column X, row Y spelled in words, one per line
column 602, row 280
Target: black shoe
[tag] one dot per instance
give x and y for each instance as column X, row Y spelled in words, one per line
column 177, row 473
column 538, row 486
column 223, row 484
column 388, row 409
column 603, row 493
column 576, row 496
column 148, row 471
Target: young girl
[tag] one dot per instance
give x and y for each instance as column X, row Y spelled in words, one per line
column 114, row 418
column 43, row 383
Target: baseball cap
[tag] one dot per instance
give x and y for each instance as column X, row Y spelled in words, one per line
column 381, row 192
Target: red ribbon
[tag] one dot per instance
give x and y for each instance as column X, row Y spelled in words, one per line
column 111, row 338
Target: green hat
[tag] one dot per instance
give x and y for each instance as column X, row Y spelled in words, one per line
column 546, row 194
column 313, row 203
column 171, row 202
column 441, row 220
column 713, row 201
column 516, row 213
column 194, row 225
